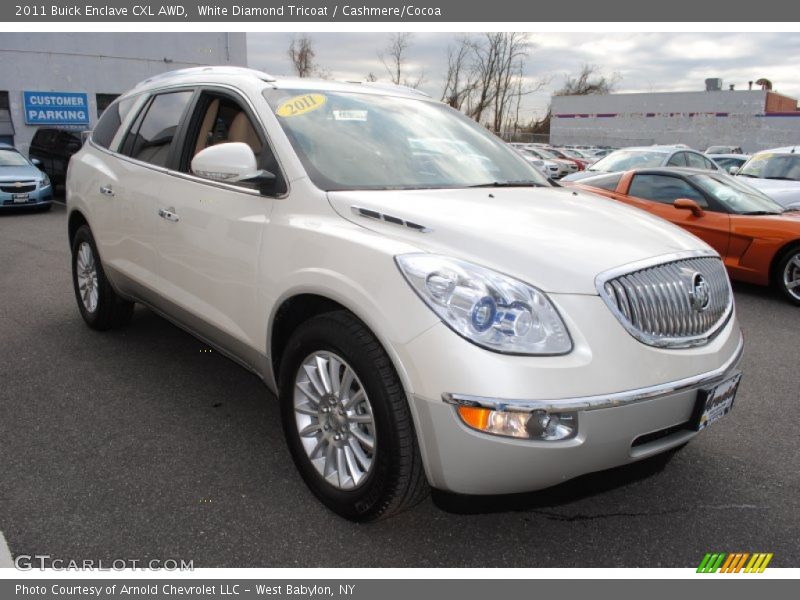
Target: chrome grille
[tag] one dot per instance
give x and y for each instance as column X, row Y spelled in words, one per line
column 674, row 304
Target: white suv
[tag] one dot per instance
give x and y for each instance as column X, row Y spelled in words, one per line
column 427, row 311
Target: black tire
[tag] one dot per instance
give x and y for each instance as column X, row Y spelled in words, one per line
column 396, row 480
column 111, row 310
column 791, row 253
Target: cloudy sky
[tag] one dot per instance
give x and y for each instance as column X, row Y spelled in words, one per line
column 644, row 62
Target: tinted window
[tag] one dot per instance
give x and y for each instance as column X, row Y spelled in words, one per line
column 698, row 161
column 151, row 140
column 678, row 160
column 663, row 188
column 605, row 182
column 44, row 137
column 110, row 122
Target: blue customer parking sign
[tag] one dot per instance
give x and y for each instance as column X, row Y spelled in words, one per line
column 56, row 108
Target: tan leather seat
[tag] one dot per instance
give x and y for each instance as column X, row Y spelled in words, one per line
column 242, row 131
column 207, row 126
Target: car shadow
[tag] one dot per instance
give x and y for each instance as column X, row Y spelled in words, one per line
column 759, row 291
column 568, row 492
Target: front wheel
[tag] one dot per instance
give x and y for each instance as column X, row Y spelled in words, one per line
column 347, row 420
column 99, row 304
column 788, row 275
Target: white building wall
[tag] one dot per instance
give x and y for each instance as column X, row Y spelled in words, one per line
column 105, row 63
column 698, row 119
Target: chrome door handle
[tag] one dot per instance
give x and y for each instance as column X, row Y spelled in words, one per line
column 168, row 214
column 106, row 190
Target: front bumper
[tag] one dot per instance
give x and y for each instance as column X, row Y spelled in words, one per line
column 632, row 401
column 41, row 196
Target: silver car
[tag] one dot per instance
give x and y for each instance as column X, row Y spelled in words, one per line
column 647, row 157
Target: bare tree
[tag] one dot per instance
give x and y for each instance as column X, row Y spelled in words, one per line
column 394, row 58
column 589, row 80
column 301, row 53
column 371, row 77
column 498, row 70
column 460, row 79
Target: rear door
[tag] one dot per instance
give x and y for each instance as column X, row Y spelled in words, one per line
column 211, row 234
column 656, row 194
column 129, row 188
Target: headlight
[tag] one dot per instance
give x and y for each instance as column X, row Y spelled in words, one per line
column 492, row 310
column 45, row 180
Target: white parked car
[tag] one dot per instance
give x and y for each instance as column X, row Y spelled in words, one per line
column 425, row 317
column 548, row 168
column 776, row 172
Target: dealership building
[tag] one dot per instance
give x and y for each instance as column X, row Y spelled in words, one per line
column 754, row 119
column 66, row 80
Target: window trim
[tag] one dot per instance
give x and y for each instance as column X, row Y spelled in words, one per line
column 133, row 116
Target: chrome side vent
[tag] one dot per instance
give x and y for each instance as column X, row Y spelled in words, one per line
column 378, row 216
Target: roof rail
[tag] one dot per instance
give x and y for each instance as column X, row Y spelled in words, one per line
column 222, row 70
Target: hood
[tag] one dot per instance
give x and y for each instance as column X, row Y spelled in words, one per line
column 557, row 239
column 24, row 173
column 782, row 191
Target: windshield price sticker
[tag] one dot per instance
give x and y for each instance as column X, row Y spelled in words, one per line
column 300, row 105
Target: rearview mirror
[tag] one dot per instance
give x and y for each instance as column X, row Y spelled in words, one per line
column 689, row 204
column 733, row 169
column 231, row 162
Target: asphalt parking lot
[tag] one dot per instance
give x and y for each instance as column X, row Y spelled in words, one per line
column 138, row 444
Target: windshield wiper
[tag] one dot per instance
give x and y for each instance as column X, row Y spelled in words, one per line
column 746, row 175
column 521, row 183
column 781, row 178
column 758, row 212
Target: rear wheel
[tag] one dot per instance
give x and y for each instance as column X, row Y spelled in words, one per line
column 347, row 421
column 788, row 274
column 99, row 304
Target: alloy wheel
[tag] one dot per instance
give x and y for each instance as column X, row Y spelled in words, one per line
column 791, row 276
column 334, row 420
column 86, row 271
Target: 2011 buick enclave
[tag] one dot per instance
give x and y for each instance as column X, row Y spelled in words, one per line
column 428, row 308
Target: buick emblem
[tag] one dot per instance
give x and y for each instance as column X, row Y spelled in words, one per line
column 699, row 294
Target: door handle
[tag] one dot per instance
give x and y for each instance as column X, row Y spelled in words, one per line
column 168, row 214
column 106, row 190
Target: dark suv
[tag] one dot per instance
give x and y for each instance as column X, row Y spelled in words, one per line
column 53, row 148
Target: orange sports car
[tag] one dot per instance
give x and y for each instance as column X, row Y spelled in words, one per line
column 758, row 239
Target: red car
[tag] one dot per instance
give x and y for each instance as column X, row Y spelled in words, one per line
column 757, row 238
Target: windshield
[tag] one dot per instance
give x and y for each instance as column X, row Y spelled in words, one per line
column 623, row 160
column 12, row 158
column 773, row 166
column 737, row 196
column 353, row 141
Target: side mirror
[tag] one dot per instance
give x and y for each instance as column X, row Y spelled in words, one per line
column 733, row 169
column 36, row 162
column 688, row 204
column 231, row 162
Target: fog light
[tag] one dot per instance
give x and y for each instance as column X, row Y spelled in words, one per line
column 537, row 425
